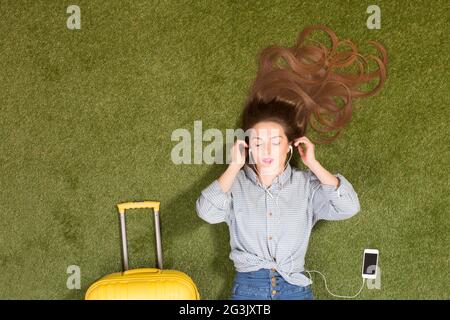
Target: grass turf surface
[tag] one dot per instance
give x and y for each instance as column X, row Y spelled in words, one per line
column 86, row 123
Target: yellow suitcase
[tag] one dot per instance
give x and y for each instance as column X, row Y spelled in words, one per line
column 143, row 283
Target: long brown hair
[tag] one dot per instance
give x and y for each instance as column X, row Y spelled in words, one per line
column 303, row 92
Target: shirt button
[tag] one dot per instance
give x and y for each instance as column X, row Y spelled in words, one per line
column 274, row 291
column 270, row 237
column 270, row 214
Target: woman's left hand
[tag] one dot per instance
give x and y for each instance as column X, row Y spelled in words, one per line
column 307, row 155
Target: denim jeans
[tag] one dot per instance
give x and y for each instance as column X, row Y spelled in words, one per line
column 267, row 284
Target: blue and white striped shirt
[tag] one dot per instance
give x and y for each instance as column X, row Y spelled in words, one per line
column 270, row 226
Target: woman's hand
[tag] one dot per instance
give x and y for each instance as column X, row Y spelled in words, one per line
column 307, row 155
column 238, row 154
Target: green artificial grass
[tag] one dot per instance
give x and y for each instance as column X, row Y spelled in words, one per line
column 86, row 123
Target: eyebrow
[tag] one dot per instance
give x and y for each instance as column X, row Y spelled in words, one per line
column 270, row 137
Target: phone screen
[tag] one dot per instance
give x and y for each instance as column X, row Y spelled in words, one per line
column 370, row 259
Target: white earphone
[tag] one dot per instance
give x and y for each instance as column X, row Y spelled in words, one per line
column 290, row 150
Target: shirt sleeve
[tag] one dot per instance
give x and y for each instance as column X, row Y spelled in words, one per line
column 214, row 205
column 333, row 203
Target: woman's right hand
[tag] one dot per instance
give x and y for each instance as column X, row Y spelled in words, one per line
column 238, row 157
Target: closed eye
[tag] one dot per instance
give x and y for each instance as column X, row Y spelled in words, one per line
column 274, row 143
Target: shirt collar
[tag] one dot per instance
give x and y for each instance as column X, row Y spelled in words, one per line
column 280, row 180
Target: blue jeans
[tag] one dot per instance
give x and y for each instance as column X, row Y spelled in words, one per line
column 267, row 284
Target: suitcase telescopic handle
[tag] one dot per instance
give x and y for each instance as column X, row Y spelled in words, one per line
column 140, row 205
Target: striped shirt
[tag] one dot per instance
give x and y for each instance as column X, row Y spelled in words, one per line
column 270, row 226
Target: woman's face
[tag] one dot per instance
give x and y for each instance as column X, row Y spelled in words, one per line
column 269, row 147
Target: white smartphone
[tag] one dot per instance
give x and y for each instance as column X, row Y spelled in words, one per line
column 370, row 263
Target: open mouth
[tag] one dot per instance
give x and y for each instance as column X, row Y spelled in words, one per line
column 267, row 160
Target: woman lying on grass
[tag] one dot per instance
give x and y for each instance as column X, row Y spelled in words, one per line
column 270, row 206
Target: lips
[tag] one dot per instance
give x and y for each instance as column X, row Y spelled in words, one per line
column 267, row 160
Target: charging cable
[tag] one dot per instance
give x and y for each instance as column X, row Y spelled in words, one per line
column 326, row 286
column 325, row 280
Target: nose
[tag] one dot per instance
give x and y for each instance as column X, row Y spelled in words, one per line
column 268, row 149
